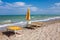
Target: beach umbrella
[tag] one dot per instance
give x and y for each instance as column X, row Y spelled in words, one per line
column 14, row 28
column 28, row 16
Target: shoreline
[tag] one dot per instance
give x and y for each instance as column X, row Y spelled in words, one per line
column 40, row 23
column 49, row 31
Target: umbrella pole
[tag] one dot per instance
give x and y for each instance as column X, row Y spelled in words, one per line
column 15, row 33
column 28, row 23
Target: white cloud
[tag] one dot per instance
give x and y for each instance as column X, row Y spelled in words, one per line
column 21, row 7
column 16, row 7
column 54, row 9
column 34, row 9
column 57, row 4
column 19, row 4
column 1, row 2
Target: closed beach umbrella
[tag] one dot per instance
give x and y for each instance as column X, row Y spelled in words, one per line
column 28, row 16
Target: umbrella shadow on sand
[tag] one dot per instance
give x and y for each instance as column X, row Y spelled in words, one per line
column 8, row 33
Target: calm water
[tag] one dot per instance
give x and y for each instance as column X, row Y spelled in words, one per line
column 18, row 18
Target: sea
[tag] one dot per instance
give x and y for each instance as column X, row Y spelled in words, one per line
column 20, row 20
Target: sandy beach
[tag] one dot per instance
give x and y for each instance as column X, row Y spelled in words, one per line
column 49, row 31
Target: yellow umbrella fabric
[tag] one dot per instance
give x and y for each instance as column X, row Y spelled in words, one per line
column 14, row 28
column 28, row 15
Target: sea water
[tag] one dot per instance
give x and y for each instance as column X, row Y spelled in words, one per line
column 21, row 19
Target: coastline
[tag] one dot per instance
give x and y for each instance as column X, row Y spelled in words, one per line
column 50, row 31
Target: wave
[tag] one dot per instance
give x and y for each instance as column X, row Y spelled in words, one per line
column 23, row 23
column 17, row 24
column 6, row 21
column 47, row 19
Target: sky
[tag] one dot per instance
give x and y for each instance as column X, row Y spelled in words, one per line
column 19, row 7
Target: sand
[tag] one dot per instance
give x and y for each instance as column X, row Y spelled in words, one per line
column 47, row 32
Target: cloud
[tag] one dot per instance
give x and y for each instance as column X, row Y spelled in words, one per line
column 55, row 8
column 34, row 9
column 15, row 8
column 57, row 4
column 21, row 8
column 1, row 2
column 20, row 3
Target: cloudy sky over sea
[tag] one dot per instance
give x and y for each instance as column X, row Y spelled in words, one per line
column 18, row 7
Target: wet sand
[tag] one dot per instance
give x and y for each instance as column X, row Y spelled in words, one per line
column 49, row 31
